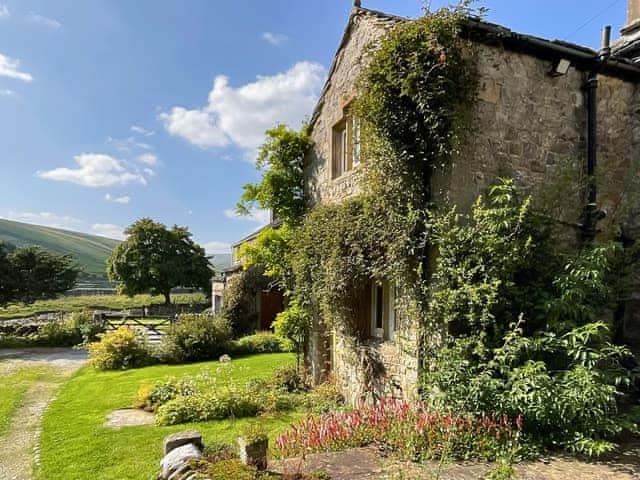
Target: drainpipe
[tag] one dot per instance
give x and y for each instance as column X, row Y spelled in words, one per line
column 591, row 213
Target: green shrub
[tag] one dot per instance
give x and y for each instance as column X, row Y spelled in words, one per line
column 118, row 349
column 324, row 398
column 88, row 325
column 205, row 407
column 196, row 338
column 150, row 398
column 523, row 323
column 177, row 401
column 288, row 379
column 261, row 342
column 58, row 334
column 232, row 469
column 219, row 451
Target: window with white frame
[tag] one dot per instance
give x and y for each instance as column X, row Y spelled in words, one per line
column 383, row 311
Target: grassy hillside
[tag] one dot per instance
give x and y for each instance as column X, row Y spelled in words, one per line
column 90, row 251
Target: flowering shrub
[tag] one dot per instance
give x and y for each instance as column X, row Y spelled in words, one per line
column 151, row 397
column 407, row 428
column 118, row 349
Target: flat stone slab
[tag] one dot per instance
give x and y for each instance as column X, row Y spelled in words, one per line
column 129, row 417
column 176, row 459
column 185, row 437
column 368, row 464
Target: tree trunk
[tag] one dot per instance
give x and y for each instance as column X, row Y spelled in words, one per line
column 167, row 298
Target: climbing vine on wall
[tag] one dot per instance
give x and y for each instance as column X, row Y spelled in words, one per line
column 413, row 101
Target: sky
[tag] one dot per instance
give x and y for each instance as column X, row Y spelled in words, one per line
column 111, row 110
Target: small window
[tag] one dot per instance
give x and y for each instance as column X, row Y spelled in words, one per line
column 339, row 152
column 345, row 150
column 383, row 311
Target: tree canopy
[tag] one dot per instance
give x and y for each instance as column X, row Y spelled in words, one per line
column 281, row 189
column 156, row 259
column 30, row 273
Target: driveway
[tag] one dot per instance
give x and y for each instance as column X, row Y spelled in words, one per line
column 19, row 443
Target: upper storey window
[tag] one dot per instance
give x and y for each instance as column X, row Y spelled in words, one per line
column 345, row 145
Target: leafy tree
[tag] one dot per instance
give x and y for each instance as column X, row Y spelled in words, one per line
column 28, row 274
column 157, row 259
column 271, row 250
column 281, row 189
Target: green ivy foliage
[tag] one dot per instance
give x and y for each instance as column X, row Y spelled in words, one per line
column 524, row 331
column 413, row 99
column 240, row 293
column 413, row 103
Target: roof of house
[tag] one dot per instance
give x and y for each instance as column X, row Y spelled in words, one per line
column 479, row 30
column 253, row 235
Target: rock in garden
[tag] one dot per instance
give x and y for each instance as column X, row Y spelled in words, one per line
column 177, row 458
column 225, row 358
column 179, row 439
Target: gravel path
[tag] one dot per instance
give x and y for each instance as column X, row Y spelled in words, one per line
column 19, row 445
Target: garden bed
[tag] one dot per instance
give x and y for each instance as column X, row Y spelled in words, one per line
column 76, row 445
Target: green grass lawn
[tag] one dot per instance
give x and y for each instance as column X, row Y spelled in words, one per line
column 75, row 445
column 12, row 390
column 75, row 304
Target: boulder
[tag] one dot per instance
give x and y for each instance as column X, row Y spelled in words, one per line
column 185, row 437
column 177, row 458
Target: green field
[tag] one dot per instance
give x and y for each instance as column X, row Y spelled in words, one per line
column 75, row 445
column 76, row 304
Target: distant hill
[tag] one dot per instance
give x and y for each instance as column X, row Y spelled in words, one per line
column 90, row 251
column 221, row 261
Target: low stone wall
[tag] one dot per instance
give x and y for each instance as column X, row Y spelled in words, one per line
column 368, row 370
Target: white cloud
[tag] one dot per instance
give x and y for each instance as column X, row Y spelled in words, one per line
column 213, row 248
column 7, row 93
column 95, row 170
column 10, row 67
column 148, row 158
column 108, row 230
column 43, row 21
column 276, row 39
column 4, row 12
column 142, row 131
column 48, row 219
column 122, row 200
column 126, row 145
column 149, row 172
column 241, row 115
column 262, row 217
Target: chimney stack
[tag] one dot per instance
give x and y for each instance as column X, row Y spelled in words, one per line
column 633, row 18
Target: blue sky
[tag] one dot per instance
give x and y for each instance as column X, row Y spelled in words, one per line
column 113, row 110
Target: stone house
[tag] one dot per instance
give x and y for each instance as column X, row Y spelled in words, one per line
column 541, row 105
column 262, row 305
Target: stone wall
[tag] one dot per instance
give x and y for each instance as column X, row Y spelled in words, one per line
column 525, row 125
column 362, row 369
column 532, row 127
column 372, row 369
column 340, row 90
